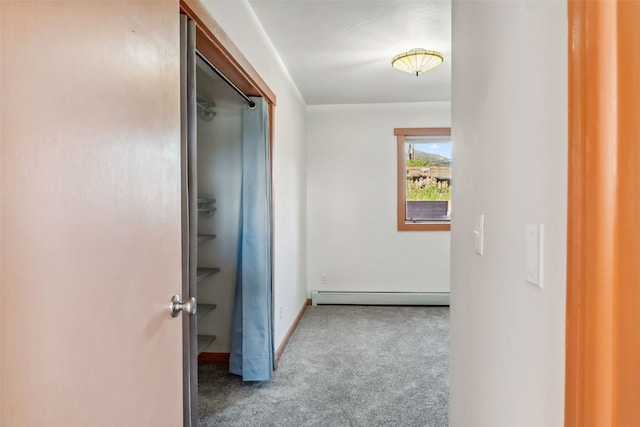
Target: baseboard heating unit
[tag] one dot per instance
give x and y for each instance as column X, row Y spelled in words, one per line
column 379, row 298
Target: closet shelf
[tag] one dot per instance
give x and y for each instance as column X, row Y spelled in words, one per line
column 205, row 237
column 208, row 211
column 206, row 206
column 204, row 309
column 205, row 201
column 204, row 341
column 204, row 272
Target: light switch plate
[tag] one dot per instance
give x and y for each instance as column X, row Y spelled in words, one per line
column 479, row 234
column 534, row 253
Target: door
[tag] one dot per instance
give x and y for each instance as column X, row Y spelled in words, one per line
column 189, row 161
column 90, row 214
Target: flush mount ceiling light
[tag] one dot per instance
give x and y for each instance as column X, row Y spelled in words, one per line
column 417, row 61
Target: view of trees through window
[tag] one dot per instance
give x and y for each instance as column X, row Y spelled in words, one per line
column 428, row 178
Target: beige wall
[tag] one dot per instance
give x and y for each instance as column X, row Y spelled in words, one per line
column 90, row 214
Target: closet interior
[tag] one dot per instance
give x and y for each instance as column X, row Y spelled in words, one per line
column 218, row 188
column 226, row 216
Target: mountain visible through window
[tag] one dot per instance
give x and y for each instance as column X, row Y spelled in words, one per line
column 424, row 178
column 428, row 178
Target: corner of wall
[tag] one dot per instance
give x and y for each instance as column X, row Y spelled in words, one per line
column 275, row 53
column 240, row 23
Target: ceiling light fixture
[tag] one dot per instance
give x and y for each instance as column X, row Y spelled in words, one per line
column 417, row 61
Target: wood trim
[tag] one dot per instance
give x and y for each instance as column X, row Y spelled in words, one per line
column 290, row 332
column 215, row 44
column 626, row 336
column 602, row 319
column 408, row 226
column 574, row 403
column 402, row 224
column 422, row 131
column 213, row 358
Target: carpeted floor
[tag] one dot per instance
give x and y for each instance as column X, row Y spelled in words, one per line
column 344, row 366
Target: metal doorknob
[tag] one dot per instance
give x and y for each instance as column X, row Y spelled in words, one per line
column 177, row 305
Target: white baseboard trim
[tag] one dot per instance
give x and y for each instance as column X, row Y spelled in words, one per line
column 379, row 298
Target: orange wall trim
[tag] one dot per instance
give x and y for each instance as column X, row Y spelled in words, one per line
column 290, row 332
column 213, row 358
column 603, row 269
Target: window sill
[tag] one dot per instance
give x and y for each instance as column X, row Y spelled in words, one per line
column 424, row 226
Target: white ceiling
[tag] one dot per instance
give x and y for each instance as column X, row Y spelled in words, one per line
column 339, row 51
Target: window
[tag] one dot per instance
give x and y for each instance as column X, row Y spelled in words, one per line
column 424, row 178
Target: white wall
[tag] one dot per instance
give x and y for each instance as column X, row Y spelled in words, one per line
column 509, row 114
column 351, row 202
column 289, row 158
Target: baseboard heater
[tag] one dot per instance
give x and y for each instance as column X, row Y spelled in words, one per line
column 379, row 298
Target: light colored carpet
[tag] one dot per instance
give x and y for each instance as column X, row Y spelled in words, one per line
column 344, row 366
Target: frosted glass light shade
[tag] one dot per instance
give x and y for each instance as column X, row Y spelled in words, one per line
column 417, row 61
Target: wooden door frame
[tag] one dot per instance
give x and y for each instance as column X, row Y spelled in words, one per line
column 215, row 44
column 217, row 47
column 602, row 322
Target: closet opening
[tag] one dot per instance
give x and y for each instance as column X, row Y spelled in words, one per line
column 227, row 225
column 217, row 220
column 216, row 224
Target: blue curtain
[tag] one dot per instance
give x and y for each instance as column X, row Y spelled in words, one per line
column 252, row 354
